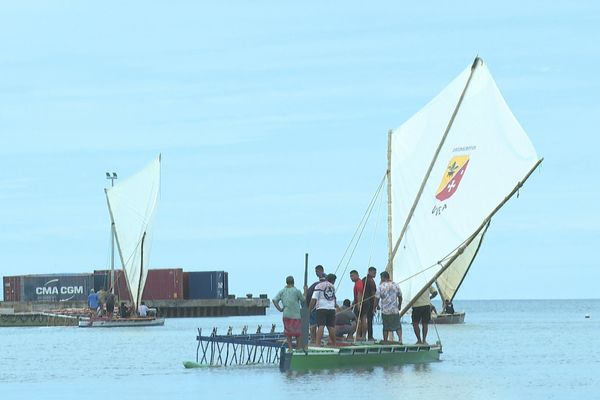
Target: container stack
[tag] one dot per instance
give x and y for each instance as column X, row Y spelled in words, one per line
column 161, row 284
column 206, row 285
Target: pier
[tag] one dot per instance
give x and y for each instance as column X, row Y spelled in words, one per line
column 193, row 308
column 30, row 319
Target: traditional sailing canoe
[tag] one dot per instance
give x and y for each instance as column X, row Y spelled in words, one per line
column 132, row 205
column 451, row 167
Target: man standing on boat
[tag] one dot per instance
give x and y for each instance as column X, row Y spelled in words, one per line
column 93, row 301
column 369, row 301
column 110, row 304
column 308, row 291
column 358, row 302
column 292, row 300
column 323, row 300
column 421, row 312
column 390, row 299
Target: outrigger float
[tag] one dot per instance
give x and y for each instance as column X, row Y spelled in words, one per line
column 270, row 348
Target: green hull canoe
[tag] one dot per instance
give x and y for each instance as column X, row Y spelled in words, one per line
column 362, row 355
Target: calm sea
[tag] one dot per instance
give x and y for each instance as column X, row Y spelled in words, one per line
column 506, row 350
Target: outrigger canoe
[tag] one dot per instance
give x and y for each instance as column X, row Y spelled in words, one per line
column 119, row 322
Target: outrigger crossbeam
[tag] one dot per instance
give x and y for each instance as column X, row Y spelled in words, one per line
column 240, row 349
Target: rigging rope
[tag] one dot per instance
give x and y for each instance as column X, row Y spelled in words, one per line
column 360, row 227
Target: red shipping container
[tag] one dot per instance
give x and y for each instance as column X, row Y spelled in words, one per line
column 164, row 284
column 12, row 288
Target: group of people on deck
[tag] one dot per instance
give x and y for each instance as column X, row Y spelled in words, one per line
column 103, row 303
column 354, row 319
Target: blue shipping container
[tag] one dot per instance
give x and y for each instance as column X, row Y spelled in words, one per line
column 207, row 285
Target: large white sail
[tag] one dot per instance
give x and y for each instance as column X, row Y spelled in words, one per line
column 131, row 205
column 484, row 156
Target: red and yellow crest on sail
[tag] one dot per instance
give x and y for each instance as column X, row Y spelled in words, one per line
column 452, row 177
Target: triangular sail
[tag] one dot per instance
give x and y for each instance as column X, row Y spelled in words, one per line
column 484, row 156
column 451, row 279
column 132, row 204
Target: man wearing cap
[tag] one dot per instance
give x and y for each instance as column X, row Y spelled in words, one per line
column 323, row 300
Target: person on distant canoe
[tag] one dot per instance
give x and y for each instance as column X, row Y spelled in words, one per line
column 143, row 310
column 323, row 300
column 123, row 310
column 345, row 321
column 390, row 300
column 448, row 307
column 292, row 300
column 110, row 305
column 93, row 301
column 308, row 292
column 421, row 312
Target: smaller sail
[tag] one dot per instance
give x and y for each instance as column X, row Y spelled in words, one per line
column 132, row 205
column 450, row 280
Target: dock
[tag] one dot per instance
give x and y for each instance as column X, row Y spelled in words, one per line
column 10, row 319
column 191, row 308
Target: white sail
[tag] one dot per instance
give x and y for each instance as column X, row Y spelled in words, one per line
column 484, row 156
column 451, row 279
column 131, row 205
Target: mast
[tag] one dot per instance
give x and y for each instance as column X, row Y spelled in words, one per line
column 390, row 266
column 112, row 257
column 476, row 62
column 465, row 244
column 115, row 236
column 140, row 288
column 112, row 239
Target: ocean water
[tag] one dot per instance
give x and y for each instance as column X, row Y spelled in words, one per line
column 534, row 349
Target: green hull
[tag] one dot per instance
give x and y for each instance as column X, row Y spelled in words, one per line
column 367, row 355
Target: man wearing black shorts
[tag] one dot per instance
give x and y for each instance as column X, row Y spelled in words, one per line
column 421, row 312
column 323, row 300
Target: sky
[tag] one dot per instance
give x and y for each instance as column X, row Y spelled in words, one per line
column 272, row 119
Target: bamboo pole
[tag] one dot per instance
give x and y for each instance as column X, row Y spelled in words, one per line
column 476, row 62
column 390, row 266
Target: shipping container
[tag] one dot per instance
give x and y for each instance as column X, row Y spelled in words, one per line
column 102, row 282
column 56, row 287
column 164, row 284
column 207, row 285
column 12, row 288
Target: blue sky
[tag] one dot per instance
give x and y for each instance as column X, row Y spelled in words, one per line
column 272, row 120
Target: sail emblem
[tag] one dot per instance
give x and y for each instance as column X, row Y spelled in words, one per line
column 452, row 177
